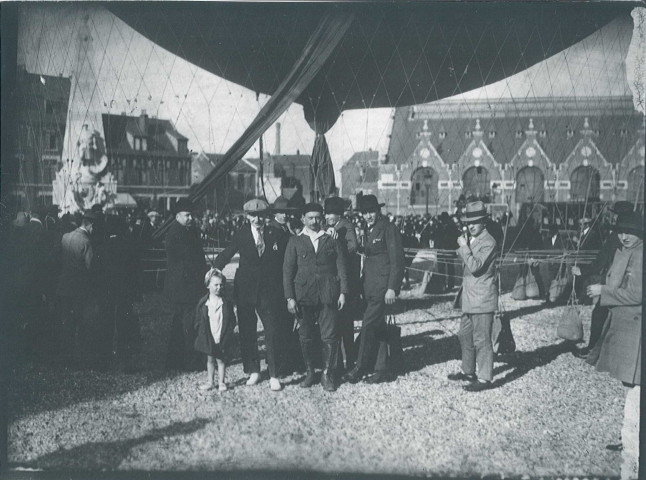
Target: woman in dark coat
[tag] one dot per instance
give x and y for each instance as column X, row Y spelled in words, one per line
column 618, row 351
column 214, row 323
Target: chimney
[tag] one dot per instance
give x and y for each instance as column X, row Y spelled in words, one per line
column 277, row 147
column 143, row 120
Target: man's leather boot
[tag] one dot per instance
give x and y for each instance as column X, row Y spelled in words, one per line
column 309, row 380
column 330, row 357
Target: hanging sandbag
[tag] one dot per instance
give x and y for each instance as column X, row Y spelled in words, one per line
column 571, row 325
column 532, row 288
column 559, row 286
column 519, row 291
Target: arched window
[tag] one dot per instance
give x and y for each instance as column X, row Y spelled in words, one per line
column 584, row 184
column 423, row 183
column 475, row 183
column 529, row 185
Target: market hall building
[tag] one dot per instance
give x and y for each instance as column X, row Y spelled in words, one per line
column 508, row 152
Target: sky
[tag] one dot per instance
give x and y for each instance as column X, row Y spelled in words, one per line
column 122, row 71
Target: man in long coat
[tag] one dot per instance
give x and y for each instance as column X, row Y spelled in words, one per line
column 618, row 351
column 341, row 228
column 315, row 280
column 77, row 288
column 258, row 288
column 183, row 286
column 479, row 296
column 383, row 271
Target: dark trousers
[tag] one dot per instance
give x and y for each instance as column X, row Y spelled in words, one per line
column 374, row 322
column 446, row 269
column 83, row 338
column 599, row 316
column 475, row 342
column 345, row 326
column 327, row 318
column 181, row 338
column 124, row 321
column 290, row 358
column 248, row 325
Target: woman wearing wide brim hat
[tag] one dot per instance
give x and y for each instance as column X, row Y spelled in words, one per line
column 619, row 349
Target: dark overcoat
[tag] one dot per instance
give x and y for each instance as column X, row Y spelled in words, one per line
column 256, row 275
column 620, row 344
column 185, row 265
column 312, row 277
column 204, row 342
column 76, row 280
column 346, row 232
column 383, row 266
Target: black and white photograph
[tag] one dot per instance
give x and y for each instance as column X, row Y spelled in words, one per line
column 318, row 239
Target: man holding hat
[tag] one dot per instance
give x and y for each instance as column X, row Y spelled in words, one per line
column 341, row 228
column 77, row 284
column 184, row 285
column 619, row 350
column 479, row 294
column 383, row 271
column 258, row 289
column 316, row 285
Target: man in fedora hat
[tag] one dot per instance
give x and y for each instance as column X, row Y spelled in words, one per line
column 383, row 271
column 77, row 286
column 281, row 212
column 183, row 285
column 258, row 289
column 479, row 295
column 619, row 349
column 316, row 285
column 339, row 227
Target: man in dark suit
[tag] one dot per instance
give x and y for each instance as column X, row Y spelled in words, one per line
column 183, row 286
column 315, row 280
column 258, row 288
column 291, row 359
column 341, row 228
column 76, row 287
column 383, row 271
column 588, row 239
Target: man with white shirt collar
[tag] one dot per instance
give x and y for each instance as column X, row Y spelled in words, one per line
column 257, row 288
column 315, row 281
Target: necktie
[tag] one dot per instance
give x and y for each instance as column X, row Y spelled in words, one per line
column 260, row 243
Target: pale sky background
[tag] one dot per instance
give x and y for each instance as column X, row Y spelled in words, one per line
column 125, row 72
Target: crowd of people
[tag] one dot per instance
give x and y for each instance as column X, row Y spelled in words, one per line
column 307, row 275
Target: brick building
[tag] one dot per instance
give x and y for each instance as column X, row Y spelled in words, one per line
column 42, row 110
column 513, row 152
column 149, row 159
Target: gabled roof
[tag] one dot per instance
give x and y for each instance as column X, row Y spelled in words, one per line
column 362, row 157
column 155, row 130
column 44, row 86
column 613, row 119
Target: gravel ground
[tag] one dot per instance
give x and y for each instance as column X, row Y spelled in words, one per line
column 550, row 413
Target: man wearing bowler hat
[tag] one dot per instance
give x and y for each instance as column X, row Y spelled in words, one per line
column 383, row 271
column 339, row 227
column 479, row 294
column 258, row 289
column 316, row 285
column 183, row 285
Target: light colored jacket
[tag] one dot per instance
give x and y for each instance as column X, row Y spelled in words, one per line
column 480, row 277
column 621, row 338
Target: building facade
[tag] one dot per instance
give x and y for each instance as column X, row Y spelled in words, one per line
column 42, row 109
column 511, row 152
column 230, row 192
column 149, row 159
